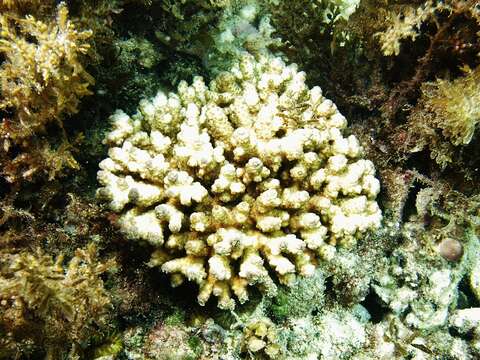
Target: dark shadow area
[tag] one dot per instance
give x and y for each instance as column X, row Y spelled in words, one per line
column 374, row 307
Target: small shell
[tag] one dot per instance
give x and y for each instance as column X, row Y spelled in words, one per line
column 450, row 249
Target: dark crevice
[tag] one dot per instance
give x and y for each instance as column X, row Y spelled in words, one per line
column 409, row 208
column 468, row 298
column 374, row 307
column 455, row 333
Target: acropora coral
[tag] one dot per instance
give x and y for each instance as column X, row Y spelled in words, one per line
column 225, row 179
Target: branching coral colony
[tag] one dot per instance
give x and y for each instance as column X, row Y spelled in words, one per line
column 233, row 182
column 42, row 78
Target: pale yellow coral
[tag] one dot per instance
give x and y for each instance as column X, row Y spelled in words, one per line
column 234, row 182
column 446, row 117
column 61, row 305
column 261, row 336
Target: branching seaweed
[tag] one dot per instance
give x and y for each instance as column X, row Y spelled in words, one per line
column 42, row 79
column 443, row 23
column 51, row 306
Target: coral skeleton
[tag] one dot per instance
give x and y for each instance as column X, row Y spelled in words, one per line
column 240, row 182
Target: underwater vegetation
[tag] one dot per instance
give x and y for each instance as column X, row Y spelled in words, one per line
column 285, row 180
column 50, row 307
column 42, row 80
column 444, row 118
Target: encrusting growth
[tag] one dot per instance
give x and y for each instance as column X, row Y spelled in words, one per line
column 238, row 180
